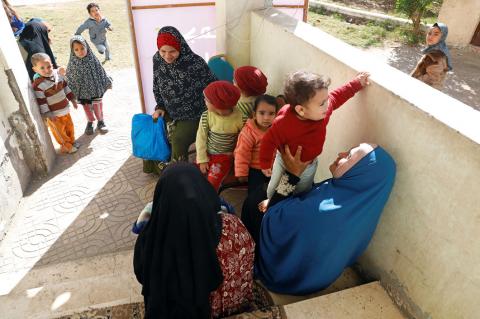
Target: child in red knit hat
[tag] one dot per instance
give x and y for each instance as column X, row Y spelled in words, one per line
column 302, row 124
column 252, row 83
column 218, row 131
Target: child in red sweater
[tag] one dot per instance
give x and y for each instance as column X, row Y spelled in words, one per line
column 303, row 123
column 247, row 158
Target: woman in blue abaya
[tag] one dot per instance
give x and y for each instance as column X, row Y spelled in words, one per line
column 307, row 240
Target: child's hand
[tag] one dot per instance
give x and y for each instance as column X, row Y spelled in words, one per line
column 362, row 77
column 267, row 172
column 263, row 205
column 75, row 105
column 62, row 71
column 110, row 29
column 242, row 179
column 203, row 167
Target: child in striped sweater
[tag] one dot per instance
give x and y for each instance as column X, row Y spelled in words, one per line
column 53, row 96
column 218, row 131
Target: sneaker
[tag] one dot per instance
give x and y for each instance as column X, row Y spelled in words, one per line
column 89, row 128
column 73, row 150
column 102, row 127
column 76, row 144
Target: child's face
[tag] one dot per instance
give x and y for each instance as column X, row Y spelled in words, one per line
column 79, row 50
column 433, row 36
column 95, row 13
column 44, row 68
column 168, row 53
column 264, row 114
column 314, row 109
column 212, row 108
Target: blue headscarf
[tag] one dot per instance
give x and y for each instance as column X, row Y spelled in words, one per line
column 307, row 241
column 441, row 45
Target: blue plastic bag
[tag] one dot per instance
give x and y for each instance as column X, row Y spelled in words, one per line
column 149, row 139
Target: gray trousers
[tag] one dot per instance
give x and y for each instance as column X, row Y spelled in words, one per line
column 306, row 179
column 104, row 48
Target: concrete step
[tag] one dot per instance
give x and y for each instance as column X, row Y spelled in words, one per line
column 348, row 279
column 75, row 286
column 369, row 301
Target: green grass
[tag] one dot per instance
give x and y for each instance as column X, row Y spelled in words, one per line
column 371, row 34
column 66, row 17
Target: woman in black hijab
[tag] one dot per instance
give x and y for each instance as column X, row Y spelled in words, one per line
column 34, row 39
column 183, row 257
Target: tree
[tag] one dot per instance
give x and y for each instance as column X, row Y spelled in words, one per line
column 415, row 10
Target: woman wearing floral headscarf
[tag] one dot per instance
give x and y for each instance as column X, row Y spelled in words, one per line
column 436, row 61
column 179, row 78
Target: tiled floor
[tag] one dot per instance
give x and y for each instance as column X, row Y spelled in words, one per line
column 86, row 206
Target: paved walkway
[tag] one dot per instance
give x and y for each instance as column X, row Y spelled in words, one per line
column 88, row 203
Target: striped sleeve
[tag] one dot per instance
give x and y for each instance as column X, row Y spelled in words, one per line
column 201, row 140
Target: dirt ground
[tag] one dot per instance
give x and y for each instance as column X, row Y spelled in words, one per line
column 66, row 15
column 463, row 83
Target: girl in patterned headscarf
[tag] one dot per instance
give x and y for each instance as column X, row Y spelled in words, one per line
column 88, row 81
column 179, row 78
column 436, row 61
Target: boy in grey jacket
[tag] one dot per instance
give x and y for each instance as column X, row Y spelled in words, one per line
column 97, row 28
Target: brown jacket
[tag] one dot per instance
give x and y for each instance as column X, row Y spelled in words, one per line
column 432, row 69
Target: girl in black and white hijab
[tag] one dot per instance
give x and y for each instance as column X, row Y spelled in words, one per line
column 88, row 81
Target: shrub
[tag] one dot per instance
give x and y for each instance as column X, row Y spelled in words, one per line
column 415, row 10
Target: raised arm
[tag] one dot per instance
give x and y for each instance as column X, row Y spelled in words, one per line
column 342, row 94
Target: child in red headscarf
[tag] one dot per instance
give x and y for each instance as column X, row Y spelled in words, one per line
column 218, row 131
column 252, row 83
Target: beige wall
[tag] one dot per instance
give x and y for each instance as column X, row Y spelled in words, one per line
column 234, row 36
column 426, row 249
column 25, row 146
column 462, row 18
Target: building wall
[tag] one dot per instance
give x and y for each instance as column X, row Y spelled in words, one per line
column 462, row 18
column 425, row 249
column 25, row 146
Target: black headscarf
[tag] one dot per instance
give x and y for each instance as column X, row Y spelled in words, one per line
column 178, row 87
column 34, row 39
column 175, row 254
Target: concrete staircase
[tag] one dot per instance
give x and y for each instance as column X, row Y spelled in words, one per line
column 80, row 285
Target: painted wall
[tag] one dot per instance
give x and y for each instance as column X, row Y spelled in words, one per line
column 462, row 18
column 25, row 146
column 425, row 249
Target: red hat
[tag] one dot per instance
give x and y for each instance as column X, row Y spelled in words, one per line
column 222, row 94
column 167, row 38
column 251, row 80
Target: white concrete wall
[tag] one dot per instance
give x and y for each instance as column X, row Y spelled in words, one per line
column 25, row 146
column 462, row 18
column 234, row 35
column 426, row 249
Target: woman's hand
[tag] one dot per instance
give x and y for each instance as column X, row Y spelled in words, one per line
column 267, row 172
column 263, row 205
column 203, row 167
column 294, row 164
column 158, row 113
